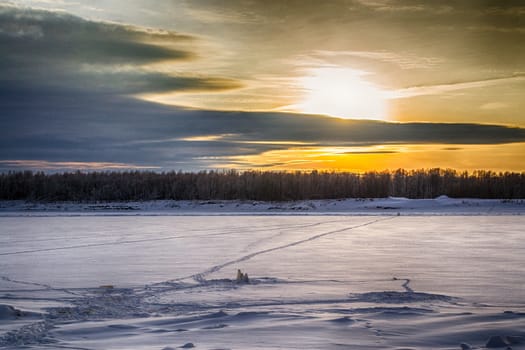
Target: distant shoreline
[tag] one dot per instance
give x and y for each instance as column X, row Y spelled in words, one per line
column 390, row 206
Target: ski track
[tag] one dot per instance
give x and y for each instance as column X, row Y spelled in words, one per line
column 200, row 277
column 405, row 285
column 91, row 245
column 46, row 287
column 117, row 242
column 235, row 230
column 120, row 241
column 285, row 229
column 195, row 277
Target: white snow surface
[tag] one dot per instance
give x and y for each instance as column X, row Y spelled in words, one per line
column 364, row 279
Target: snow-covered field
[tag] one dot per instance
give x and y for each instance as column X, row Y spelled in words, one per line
column 162, row 279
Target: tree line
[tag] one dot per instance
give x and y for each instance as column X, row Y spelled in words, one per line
column 258, row 185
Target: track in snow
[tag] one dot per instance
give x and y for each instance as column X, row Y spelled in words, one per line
column 201, row 277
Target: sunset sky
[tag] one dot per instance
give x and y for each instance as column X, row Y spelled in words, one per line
column 349, row 85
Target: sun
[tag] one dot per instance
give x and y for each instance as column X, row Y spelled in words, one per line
column 342, row 92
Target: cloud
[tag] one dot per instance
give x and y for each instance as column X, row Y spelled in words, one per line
column 51, row 36
column 46, row 165
column 444, row 88
column 494, row 106
column 371, row 152
column 55, row 49
column 497, row 29
column 449, row 41
column 402, row 60
column 220, row 15
column 68, row 126
column 139, row 82
column 63, row 77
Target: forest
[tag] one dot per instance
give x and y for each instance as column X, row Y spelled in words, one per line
column 257, row 185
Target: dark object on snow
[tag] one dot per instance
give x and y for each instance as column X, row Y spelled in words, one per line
column 9, row 312
column 498, row 341
column 242, row 277
column 188, row 346
column 465, row 346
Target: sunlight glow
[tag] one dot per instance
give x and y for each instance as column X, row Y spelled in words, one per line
column 342, row 92
column 360, row 159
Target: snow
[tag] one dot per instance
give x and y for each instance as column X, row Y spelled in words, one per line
column 441, row 205
column 371, row 280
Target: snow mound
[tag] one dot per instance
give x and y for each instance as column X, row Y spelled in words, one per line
column 187, row 346
column 343, row 320
column 498, row 341
column 405, row 199
column 8, row 312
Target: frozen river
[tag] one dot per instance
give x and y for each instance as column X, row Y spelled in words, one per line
column 316, row 282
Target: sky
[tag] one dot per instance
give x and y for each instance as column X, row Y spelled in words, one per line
column 340, row 85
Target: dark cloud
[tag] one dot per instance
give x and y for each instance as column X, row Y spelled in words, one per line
column 68, row 126
column 54, row 49
column 50, row 36
column 137, row 82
